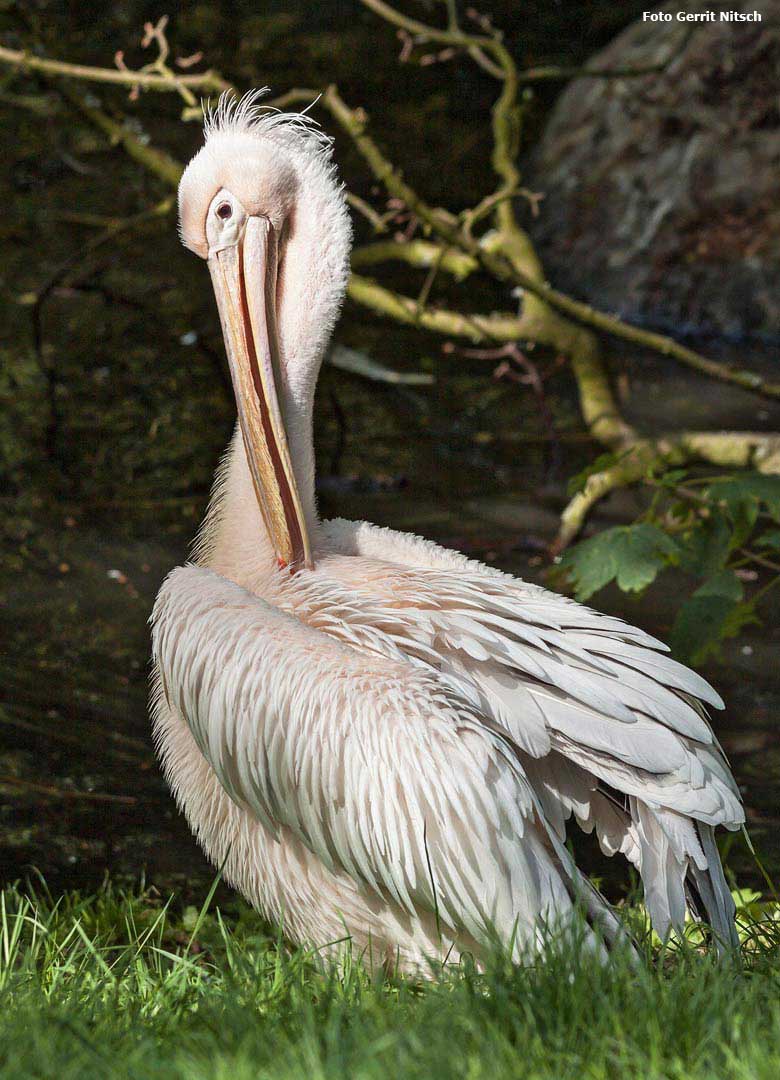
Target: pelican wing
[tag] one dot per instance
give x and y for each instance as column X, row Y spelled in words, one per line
column 376, row 764
column 596, row 706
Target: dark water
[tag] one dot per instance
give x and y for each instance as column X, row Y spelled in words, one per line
column 116, row 409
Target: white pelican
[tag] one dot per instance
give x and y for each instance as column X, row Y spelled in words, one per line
column 379, row 738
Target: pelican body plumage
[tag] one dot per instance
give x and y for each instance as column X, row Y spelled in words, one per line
column 378, row 738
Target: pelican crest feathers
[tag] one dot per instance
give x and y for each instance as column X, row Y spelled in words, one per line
column 246, row 115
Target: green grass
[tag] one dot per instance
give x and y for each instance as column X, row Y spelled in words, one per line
column 119, row 984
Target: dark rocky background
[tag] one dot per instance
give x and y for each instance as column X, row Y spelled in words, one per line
column 662, row 193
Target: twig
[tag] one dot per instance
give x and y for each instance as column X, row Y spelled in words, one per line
column 41, row 105
column 207, row 82
column 70, row 740
column 453, row 35
column 760, row 560
column 353, row 122
column 512, row 243
column 358, row 363
column 599, row 408
column 419, row 253
column 638, row 456
column 633, row 465
column 155, row 161
column 648, row 339
column 512, row 357
column 490, row 202
column 64, row 793
column 405, row 310
column 597, row 402
column 376, row 220
column 552, row 73
column 113, row 228
column 505, row 124
column 735, row 449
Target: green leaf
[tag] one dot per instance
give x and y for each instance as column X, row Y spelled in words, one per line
column 706, row 547
column 743, row 496
column 632, row 555
column 744, row 516
column 590, row 565
column 725, row 583
column 742, row 615
column 770, row 539
column 745, row 896
column 713, row 613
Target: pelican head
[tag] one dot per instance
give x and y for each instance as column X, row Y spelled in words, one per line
column 261, row 204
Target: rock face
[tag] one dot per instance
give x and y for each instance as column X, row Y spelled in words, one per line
column 662, row 192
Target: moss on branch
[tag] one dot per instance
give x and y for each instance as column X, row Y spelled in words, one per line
column 419, row 253
column 642, row 457
column 206, row 82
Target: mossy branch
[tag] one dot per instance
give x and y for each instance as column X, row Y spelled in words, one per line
column 726, row 449
column 206, row 82
column 418, row 253
column 513, row 242
column 406, row 310
column 154, row 161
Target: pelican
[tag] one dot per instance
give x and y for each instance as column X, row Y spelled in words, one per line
column 378, row 739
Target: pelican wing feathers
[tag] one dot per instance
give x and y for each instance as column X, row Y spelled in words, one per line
column 377, row 765
column 610, row 728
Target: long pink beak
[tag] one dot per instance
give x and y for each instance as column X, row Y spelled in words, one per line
column 244, row 280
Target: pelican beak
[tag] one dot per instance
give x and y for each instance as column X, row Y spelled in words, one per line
column 244, row 280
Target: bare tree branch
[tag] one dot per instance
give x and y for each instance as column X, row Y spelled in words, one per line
column 377, row 221
column 155, row 161
column 207, row 82
column 420, row 253
column 66, row 793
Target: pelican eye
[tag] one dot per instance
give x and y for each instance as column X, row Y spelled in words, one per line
column 225, row 221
